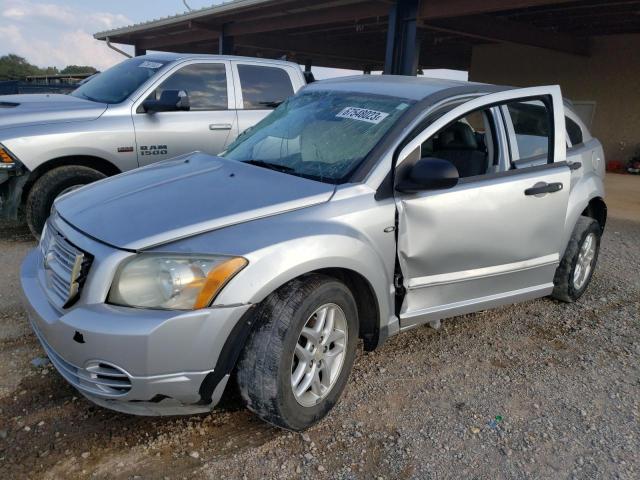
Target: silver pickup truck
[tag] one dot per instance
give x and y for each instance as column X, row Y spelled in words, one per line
column 359, row 209
column 140, row 111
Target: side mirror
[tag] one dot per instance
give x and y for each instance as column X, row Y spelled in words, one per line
column 170, row 101
column 429, row 174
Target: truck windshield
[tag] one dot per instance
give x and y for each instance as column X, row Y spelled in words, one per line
column 323, row 135
column 117, row 83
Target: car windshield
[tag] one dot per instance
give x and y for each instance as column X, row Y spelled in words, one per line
column 116, row 84
column 323, row 135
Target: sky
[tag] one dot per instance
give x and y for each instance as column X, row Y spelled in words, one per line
column 60, row 32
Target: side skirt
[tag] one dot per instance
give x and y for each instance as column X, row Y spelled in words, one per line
column 434, row 314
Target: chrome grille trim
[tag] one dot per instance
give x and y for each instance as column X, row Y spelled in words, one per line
column 98, row 378
column 65, row 267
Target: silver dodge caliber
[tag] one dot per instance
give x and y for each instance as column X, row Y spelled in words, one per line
column 359, row 208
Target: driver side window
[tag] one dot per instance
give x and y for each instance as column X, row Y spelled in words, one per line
column 205, row 83
column 467, row 143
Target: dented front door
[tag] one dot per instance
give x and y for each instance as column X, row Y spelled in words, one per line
column 483, row 242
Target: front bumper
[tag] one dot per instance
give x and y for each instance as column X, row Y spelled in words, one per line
column 136, row 361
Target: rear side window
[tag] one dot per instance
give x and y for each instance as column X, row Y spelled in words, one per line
column 205, row 83
column 532, row 129
column 264, row 87
column 574, row 131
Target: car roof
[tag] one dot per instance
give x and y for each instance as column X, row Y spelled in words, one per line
column 412, row 88
column 172, row 57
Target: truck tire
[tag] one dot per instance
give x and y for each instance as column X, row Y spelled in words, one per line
column 579, row 262
column 297, row 361
column 51, row 185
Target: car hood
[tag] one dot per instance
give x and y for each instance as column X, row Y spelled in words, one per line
column 40, row 109
column 182, row 197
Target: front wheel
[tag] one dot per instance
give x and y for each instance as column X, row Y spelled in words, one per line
column 48, row 187
column 579, row 262
column 297, row 362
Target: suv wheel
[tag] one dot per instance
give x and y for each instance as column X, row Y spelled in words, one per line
column 579, row 262
column 51, row 185
column 297, row 362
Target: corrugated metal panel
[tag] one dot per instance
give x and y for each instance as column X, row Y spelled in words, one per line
column 182, row 17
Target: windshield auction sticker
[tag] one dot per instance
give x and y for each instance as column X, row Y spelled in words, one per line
column 148, row 64
column 363, row 114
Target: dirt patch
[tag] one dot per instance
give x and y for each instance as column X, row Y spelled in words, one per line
column 536, row 390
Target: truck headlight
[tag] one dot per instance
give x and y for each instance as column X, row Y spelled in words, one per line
column 172, row 282
column 7, row 160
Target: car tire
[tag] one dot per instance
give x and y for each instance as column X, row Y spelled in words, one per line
column 579, row 261
column 270, row 362
column 51, row 185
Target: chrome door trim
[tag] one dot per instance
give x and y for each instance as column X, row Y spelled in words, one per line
column 220, row 126
column 478, row 273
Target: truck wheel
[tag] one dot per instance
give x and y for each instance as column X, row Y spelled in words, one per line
column 298, row 359
column 579, row 262
column 51, row 185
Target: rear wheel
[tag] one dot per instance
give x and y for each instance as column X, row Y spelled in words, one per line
column 51, row 185
column 297, row 361
column 579, row 262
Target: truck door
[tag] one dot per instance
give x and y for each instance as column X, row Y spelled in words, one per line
column 209, row 126
column 261, row 88
column 496, row 237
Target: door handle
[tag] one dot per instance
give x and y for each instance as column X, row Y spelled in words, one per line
column 541, row 188
column 220, row 126
column 575, row 165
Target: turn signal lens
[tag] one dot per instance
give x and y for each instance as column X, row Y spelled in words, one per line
column 218, row 278
column 5, row 157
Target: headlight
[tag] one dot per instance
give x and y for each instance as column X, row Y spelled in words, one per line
column 173, row 282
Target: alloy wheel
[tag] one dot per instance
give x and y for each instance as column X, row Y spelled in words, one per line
column 319, row 354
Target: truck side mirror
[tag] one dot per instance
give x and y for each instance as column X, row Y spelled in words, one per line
column 169, row 101
column 429, row 174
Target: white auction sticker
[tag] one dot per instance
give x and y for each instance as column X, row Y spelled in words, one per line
column 148, row 64
column 363, row 114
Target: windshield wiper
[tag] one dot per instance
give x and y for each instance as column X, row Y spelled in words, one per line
column 270, row 166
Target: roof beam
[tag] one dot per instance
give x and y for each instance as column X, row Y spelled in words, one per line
column 327, row 52
column 348, row 13
column 431, row 9
column 160, row 42
column 485, row 27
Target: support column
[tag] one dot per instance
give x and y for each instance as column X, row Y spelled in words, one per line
column 139, row 51
column 308, row 74
column 403, row 45
column 225, row 43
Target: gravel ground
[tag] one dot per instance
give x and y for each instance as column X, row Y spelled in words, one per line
column 537, row 390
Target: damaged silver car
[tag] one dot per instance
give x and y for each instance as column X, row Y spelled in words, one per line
column 358, row 209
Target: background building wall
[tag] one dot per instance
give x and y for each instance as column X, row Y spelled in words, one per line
column 610, row 77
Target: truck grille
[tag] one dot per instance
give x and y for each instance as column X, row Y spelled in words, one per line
column 65, row 267
column 97, row 378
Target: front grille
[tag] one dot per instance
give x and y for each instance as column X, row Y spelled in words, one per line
column 65, row 267
column 97, row 378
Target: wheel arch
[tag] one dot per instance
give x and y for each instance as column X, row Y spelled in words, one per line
column 368, row 316
column 366, row 302
column 597, row 209
column 90, row 161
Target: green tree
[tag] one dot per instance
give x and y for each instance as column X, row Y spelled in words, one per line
column 73, row 69
column 14, row 67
